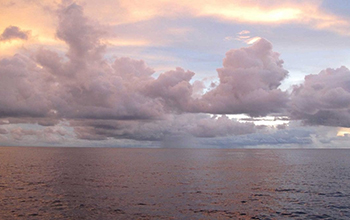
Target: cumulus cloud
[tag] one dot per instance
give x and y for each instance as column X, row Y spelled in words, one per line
column 323, row 99
column 81, row 34
column 173, row 88
column 101, row 100
column 249, row 81
column 14, row 32
column 23, row 88
column 82, row 84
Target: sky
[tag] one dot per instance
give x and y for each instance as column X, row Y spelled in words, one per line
column 160, row 73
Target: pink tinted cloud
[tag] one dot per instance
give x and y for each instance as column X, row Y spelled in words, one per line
column 122, row 99
column 323, row 99
column 14, row 32
column 249, row 81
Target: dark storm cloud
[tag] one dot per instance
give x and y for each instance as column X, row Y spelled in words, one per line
column 323, row 99
column 13, row 32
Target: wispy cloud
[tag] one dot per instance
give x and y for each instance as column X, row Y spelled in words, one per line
column 244, row 36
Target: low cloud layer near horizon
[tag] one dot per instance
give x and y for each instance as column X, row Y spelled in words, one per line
column 80, row 97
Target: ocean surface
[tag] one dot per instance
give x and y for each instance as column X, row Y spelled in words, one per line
column 116, row 183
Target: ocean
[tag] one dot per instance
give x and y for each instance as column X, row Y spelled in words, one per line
column 121, row 183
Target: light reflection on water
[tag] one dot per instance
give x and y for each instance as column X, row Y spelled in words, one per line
column 111, row 183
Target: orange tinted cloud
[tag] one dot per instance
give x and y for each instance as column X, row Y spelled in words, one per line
column 128, row 11
column 238, row 11
column 40, row 16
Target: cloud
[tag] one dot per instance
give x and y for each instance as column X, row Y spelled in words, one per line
column 123, row 100
column 19, row 133
column 271, row 12
column 3, row 131
column 13, row 32
column 245, row 37
column 295, row 137
column 249, row 81
column 173, row 88
column 323, row 99
column 23, row 88
column 184, row 125
column 80, row 33
column 48, row 135
column 30, row 120
column 100, row 99
column 82, row 86
column 131, row 17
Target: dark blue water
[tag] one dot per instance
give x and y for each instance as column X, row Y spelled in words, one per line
column 110, row 183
